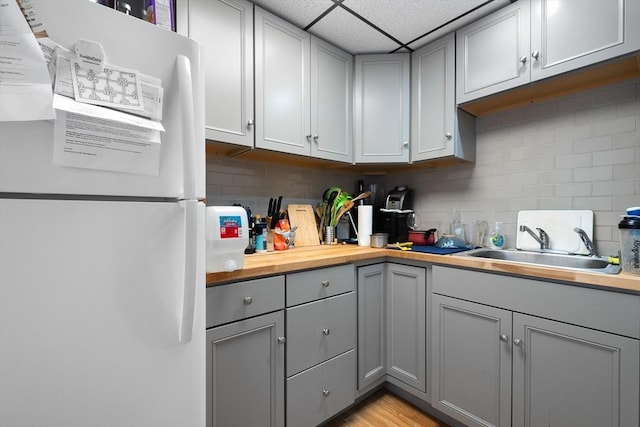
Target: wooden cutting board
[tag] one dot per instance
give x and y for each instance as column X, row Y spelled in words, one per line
column 304, row 218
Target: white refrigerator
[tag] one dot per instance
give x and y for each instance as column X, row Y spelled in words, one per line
column 102, row 274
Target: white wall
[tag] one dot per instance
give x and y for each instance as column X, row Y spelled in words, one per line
column 577, row 152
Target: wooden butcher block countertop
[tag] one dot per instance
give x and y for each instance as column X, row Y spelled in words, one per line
column 304, row 258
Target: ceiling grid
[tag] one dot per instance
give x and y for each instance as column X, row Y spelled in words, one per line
column 380, row 26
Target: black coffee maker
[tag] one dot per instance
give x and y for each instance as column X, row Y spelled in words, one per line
column 392, row 218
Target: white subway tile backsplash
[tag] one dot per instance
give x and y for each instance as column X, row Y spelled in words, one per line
column 593, row 203
column 589, row 145
column 615, row 125
column 560, row 203
column 628, row 139
column 614, row 188
column 614, row 157
column 598, row 173
column 629, row 170
column 579, row 189
column 571, row 161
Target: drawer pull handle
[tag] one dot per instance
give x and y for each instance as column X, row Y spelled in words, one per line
column 326, row 392
column 325, row 283
column 326, row 331
column 282, row 340
column 247, row 300
column 504, row 338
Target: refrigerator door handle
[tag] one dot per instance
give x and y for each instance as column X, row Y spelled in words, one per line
column 185, row 89
column 190, row 269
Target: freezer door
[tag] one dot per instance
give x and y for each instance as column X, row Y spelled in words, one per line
column 91, row 315
column 26, row 148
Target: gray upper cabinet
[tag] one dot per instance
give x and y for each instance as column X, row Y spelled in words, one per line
column 303, row 92
column 224, row 29
column 382, row 108
column 331, row 102
column 492, row 53
column 282, row 97
column 534, row 39
column 566, row 35
column 438, row 129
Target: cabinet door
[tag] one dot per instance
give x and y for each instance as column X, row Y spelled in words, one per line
column 572, row 34
column 493, row 53
column 282, row 85
column 571, row 376
column 382, row 107
column 438, row 129
column 245, row 372
column 406, row 324
column 331, row 102
column 471, row 362
column 371, row 325
column 433, row 103
column 224, row 29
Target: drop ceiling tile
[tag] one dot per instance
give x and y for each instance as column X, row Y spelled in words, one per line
column 298, row 12
column 344, row 30
column 407, row 20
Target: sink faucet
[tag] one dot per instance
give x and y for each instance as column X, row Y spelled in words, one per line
column 587, row 241
column 543, row 239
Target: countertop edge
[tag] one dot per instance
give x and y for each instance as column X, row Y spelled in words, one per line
column 305, row 258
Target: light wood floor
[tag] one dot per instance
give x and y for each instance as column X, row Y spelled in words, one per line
column 383, row 409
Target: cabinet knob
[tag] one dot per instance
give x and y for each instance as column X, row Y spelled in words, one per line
column 523, row 60
column 315, row 138
column 517, row 342
column 504, row 338
column 325, row 283
column 448, row 136
column 326, row 392
column 326, row 331
column 535, row 54
column 309, row 137
column 247, row 300
column 250, row 123
column 282, row 340
column 406, row 143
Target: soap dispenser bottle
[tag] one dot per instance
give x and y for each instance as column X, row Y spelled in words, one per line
column 497, row 238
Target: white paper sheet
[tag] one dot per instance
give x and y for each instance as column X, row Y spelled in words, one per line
column 25, row 84
column 93, row 137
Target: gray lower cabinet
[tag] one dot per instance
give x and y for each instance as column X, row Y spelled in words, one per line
column 371, row 326
column 392, row 326
column 406, row 324
column 246, row 353
column 511, row 351
column 245, row 373
column 321, row 339
column 471, row 366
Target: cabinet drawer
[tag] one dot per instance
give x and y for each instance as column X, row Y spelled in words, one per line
column 317, row 394
column 316, row 284
column 235, row 301
column 320, row 330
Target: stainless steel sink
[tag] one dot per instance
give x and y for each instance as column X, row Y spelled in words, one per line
column 573, row 262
